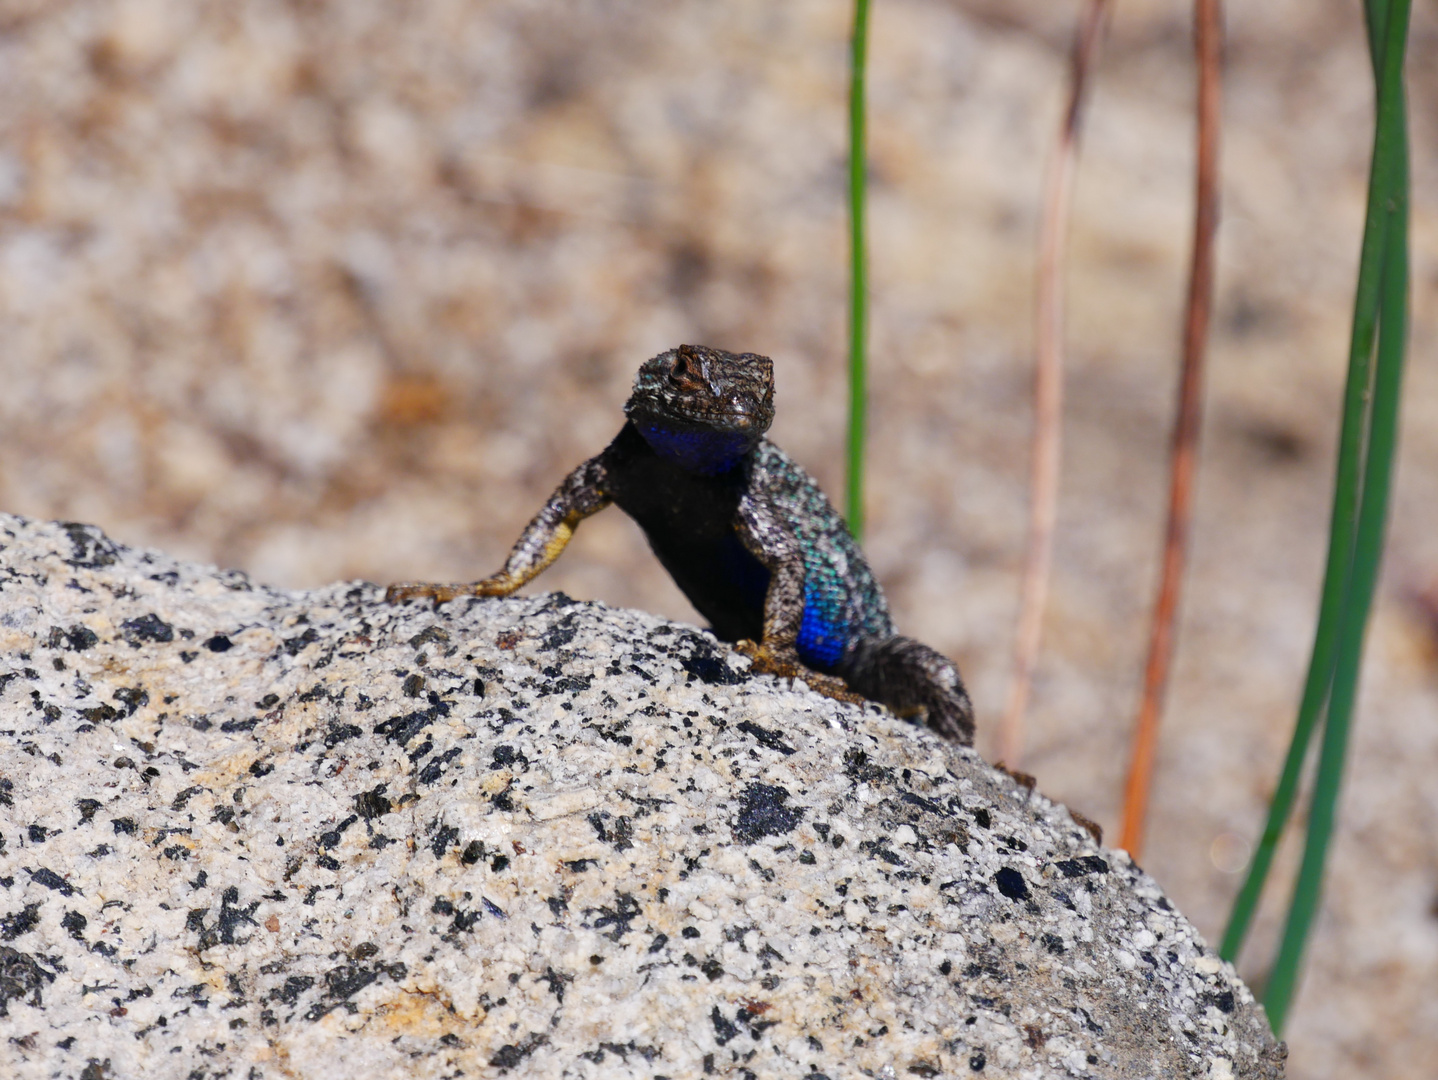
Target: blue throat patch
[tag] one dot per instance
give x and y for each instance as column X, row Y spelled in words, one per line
column 705, row 452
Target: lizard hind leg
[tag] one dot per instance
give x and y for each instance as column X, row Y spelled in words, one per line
column 916, row 683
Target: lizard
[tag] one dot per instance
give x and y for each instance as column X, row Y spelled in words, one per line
column 746, row 534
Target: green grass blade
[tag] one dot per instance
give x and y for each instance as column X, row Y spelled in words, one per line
column 858, row 275
column 1352, row 440
column 1375, row 21
column 1389, row 187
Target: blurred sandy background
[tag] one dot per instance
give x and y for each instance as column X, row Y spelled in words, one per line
column 328, row 290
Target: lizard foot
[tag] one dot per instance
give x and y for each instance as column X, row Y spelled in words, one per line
column 764, row 661
column 417, row 590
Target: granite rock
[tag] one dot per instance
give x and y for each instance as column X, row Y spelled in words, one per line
column 254, row 833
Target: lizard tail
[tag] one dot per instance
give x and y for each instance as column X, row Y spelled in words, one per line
column 916, row 683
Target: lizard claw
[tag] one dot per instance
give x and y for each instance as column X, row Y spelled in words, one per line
column 763, row 661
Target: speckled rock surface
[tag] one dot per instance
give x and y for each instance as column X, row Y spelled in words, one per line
column 254, row 833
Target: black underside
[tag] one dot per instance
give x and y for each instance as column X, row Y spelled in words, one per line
column 690, row 523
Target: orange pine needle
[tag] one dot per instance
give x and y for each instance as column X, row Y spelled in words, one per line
column 1048, row 386
column 1208, row 34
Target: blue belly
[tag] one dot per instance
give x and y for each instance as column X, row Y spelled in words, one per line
column 823, row 632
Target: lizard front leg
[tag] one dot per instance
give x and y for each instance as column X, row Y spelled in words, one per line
column 581, row 494
column 777, row 653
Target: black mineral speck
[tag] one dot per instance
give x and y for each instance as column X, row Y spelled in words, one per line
column 557, row 981
column 434, row 768
column 20, row 974
column 762, row 812
column 444, row 836
column 402, row 729
column 338, row 733
column 92, row 548
column 348, row 979
column 294, row 986
column 296, row 645
column 149, row 627
column 1081, row 867
column 1011, row 883
column 978, row 1061
column 436, row 634
column 511, row 1054
column 504, row 756
column 724, row 1029
column 619, row 917
column 219, row 643
column 924, row 804
column 19, row 922
column 560, row 634
column 708, row 667
column 52, row 880
column 230, row 919
column 133, row 698
column 472, row 853
column 331, row 838
column 766, row 737
column 618, row 831
column 77, row 638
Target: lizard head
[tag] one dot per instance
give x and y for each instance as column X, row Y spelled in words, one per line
column 703, row 408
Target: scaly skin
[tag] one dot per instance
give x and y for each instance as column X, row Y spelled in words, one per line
column 746, row 534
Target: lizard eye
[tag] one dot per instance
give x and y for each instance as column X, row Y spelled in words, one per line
column 686, row 372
